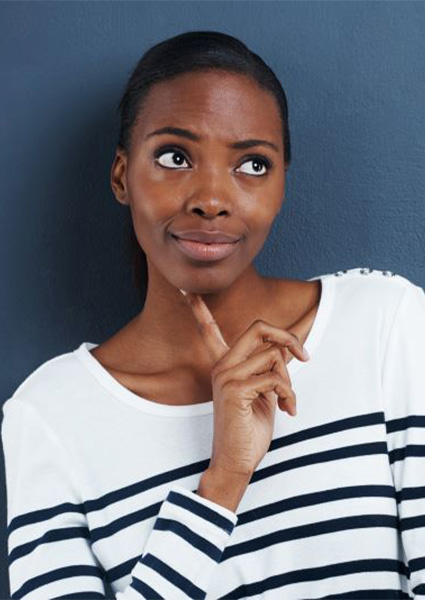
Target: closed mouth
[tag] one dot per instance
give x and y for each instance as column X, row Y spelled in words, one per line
column 203, row 251
column 203, row 243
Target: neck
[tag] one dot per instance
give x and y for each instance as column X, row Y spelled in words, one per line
column 167, row 325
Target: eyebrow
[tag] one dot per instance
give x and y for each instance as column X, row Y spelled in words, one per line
column 185, row 133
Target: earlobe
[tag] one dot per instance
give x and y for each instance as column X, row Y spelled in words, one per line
column 118, row 179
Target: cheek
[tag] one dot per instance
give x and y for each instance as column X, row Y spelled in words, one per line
column 259, row 216
column 154, row 204
column 149, row 212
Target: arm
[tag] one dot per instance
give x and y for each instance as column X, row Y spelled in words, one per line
column 404, row 401
column 49, row 542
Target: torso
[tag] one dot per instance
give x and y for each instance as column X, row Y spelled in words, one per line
column 183, row 385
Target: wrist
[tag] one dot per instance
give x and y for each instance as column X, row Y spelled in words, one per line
column 223, row 487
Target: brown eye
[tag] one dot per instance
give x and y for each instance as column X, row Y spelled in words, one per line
column 258, row 163
column 170, row 158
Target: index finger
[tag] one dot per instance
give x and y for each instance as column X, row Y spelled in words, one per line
column 259, row 333
column 210, row 330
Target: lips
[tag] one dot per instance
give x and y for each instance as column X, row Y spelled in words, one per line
column 207, row 237
column 205, row 252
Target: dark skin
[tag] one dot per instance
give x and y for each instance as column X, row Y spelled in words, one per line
column 160, row 354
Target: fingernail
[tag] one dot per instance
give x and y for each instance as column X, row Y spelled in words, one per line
column 306, row 354
column 183, row 292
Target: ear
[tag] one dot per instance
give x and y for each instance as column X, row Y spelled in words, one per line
column 118, row 176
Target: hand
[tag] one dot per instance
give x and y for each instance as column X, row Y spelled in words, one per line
column 248, row 382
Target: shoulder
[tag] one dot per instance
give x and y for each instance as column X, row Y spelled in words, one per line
column 49, row 387
column 369, row 298
column 376, row 287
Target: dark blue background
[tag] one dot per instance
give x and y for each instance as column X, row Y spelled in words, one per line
column 355, row 81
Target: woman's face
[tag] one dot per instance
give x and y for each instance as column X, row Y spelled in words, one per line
column 193, row 179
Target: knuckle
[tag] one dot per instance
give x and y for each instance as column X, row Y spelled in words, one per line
column 219, row 378
column 229, row 388
column 216, row 369
column 219, row 367
column 204, row 327
column 285, row 378
column 287, row 388
column 258, row 325
column 275, row 353
column 279, row 380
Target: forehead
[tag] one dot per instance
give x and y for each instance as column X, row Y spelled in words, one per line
column 215, row 104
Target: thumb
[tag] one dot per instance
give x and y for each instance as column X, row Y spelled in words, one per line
column 208, row 326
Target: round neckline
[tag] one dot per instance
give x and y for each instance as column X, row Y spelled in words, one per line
column 205, row 408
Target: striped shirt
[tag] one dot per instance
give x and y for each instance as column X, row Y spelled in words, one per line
column 101, row 483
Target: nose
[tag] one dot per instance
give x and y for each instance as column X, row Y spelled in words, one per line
column 208, row 201
column 208, row 207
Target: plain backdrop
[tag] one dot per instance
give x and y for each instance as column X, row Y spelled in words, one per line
column 354, row 76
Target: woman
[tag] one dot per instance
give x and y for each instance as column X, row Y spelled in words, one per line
column 157, row 462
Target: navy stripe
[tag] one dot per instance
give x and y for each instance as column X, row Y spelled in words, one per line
column 171, row 575
column 320, row 457
column 81, row 595
column 412, row 522
column 368, row 595
column 405, row 422
column 201, row 510
column 104, row 501
column 315, row 574
column 44, row 514
column 146, row 590
column 417, row 564
column 311, row 499
column 412, row 493
column 419, row 589
column 146, row 485
column 122, row 570
column 57, row 575
column 190, row 537
column 410, row 450
column 311, row 529
column 136, row 517
column 359, row 421
column 55, row 535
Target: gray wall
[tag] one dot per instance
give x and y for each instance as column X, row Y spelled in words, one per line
column 355, row 81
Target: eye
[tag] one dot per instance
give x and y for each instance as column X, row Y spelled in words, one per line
column 175, row 159
column 259, row 161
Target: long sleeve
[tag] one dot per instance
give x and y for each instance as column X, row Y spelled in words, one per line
column 404, row 401
column 49, row 546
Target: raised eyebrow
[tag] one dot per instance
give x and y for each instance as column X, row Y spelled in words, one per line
column 186, row 133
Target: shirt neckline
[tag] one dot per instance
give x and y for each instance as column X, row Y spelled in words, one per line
column 205, row 408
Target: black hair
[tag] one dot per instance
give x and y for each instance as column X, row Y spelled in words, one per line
column 184, row 53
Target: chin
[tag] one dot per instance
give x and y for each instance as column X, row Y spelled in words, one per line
column 203, row 290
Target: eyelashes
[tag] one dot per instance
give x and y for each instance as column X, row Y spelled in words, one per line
column 254, row 158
